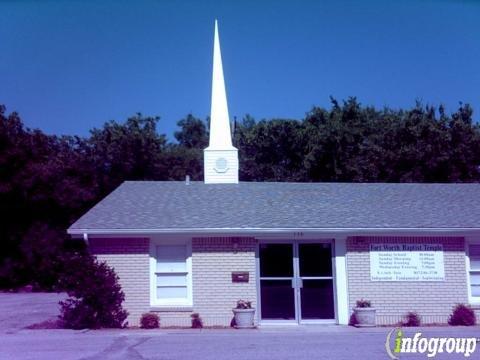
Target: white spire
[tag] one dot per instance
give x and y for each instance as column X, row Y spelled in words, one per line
column 220, row 158
column 220, row 135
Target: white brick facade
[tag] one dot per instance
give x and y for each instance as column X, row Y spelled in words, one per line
column 130, row 260
column 433, row 301
column 213, row 260
column 214, row 294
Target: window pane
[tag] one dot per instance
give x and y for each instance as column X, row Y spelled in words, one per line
column 474, row 254
column 278, row 299
column 474, row 250
column 474, row 263
column 315, row 259
column 475, row 278
column 179, row 292
column 276, row 260
column 171, row 258
column 475, row 290
column 317, row 299
column 171, row 280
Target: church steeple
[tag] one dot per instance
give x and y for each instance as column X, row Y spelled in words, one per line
column 219, row 120
column 220, row 157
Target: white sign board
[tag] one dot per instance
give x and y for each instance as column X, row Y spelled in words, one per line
column 406, row 262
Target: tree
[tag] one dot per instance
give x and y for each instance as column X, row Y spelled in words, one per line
column 45, row 183
column 270, row 150
column 48, row 181
column 336, row 142
column 129, row 151
column 186, row 157
column 192, row 134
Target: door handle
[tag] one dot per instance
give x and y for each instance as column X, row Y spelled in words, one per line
column 297, row 283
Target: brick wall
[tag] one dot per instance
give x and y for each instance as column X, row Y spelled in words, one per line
column 130, row 260
column 433, row 301
column 213, row 260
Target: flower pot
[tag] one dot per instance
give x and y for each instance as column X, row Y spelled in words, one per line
column 365, row 317
column 244, row 318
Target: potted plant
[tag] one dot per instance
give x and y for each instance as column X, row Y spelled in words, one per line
column 364, row 314
column 244, row 315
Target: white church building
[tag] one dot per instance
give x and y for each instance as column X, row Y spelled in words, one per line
column 301, row 252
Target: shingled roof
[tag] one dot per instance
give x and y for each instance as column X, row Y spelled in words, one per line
column 153, row 206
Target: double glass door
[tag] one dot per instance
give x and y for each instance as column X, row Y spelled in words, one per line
column 296, row 281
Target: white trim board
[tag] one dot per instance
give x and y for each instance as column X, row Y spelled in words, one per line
column 341, row 280
column 297, row 232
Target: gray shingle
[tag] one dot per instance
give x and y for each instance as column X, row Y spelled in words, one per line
column 174, row 205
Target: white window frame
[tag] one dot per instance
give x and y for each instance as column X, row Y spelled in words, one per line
column 475, row 300
column 154, row 301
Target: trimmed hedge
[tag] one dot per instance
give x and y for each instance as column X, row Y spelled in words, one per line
column 149, row 321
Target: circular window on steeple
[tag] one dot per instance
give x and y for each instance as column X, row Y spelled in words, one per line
column 221, row 165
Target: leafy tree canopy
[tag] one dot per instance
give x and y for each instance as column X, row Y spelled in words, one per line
column 48, row 181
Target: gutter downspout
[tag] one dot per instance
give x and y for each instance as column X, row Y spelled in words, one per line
column 85, row 238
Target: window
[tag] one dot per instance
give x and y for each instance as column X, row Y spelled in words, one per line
column 170, row 265
column 474, row 271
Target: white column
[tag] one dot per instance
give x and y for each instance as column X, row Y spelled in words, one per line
column 341, row 284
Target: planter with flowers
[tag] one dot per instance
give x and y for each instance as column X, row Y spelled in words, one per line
column 365, row 314
column 244, row 315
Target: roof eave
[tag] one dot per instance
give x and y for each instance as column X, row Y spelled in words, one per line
column 298, row 231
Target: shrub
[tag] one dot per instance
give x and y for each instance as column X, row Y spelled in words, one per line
column 462, row 315
column 95, row 297
column 363, row 303
column 353, row 320
column 243, row 304
column 411, row 319
column 197, row 322
column 149, row 321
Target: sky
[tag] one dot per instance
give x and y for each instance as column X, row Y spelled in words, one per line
column 70, row 66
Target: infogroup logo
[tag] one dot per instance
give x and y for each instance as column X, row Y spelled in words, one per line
column 430, row 346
